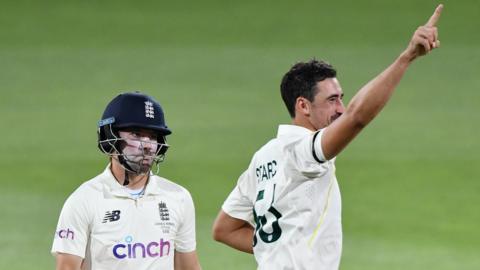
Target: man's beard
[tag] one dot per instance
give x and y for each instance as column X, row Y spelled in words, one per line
column 139, row 164
column 139, row 159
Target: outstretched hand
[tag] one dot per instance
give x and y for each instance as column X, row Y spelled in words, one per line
column 425, row 39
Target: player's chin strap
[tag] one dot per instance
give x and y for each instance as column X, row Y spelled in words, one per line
column 126, row 181
column 124, row 161
column 125, row 165
column 128, row 169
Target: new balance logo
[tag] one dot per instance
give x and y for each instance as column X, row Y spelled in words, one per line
column 111, row 216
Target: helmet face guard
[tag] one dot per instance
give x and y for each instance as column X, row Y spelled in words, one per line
column 114, row 146
column 132, row 111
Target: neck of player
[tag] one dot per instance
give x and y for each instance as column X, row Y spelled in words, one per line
column 135, row 181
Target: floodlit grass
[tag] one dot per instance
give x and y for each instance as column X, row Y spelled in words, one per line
column 409, row 182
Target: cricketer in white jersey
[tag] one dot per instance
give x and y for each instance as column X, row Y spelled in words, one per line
column 104, row 224
column 127, row 217
column 286, row 207
column 295, row 200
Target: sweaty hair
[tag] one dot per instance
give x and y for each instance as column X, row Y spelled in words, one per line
column 301, row 79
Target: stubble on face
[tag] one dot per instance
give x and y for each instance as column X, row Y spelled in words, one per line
column 329, row 93
column 139, row 153
column 138, row 158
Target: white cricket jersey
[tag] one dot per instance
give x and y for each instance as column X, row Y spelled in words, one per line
column 291, row 196
column 103, row 224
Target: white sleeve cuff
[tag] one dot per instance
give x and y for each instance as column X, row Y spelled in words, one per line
column 317, row 151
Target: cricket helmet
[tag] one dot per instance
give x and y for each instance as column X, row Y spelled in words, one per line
column 131, row 110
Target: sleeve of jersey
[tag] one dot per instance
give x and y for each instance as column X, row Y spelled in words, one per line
column 186, row 237
column 239, row 203
column 71, row 235
column 307, row 155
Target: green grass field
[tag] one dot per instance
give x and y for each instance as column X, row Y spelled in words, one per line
column 410, row 182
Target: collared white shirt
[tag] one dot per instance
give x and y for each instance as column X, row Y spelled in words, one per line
column 102, row 223
column 290, row 194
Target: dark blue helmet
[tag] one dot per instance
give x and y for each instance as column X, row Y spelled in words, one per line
column 131, row 110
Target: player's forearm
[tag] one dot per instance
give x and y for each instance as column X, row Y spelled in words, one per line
column 186, row 261
column 372, row 97
column 368, row 102
column 67, row 267
column 234, row 232
column 68, row 262
column 240, row 239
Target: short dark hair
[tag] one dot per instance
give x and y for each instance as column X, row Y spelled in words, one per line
column 301, row 79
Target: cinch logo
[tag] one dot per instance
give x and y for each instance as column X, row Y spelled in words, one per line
column 133, row 250
column 65, row 234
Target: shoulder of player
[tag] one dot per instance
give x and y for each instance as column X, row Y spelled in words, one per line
column 87, row 190
column 285, row 141
column 271, row 144
column 166, row 185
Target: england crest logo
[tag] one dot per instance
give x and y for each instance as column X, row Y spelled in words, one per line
column 149, row 113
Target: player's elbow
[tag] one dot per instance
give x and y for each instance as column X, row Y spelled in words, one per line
column 222, row 229
column 218, row 233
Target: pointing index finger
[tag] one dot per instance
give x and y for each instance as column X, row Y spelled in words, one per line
column 434, row 18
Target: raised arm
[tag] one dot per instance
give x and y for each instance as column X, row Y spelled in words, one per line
column 372, row 97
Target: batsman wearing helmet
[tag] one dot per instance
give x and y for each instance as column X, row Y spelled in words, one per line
column 127, row 217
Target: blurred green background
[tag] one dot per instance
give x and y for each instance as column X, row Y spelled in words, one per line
column 410, row 182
